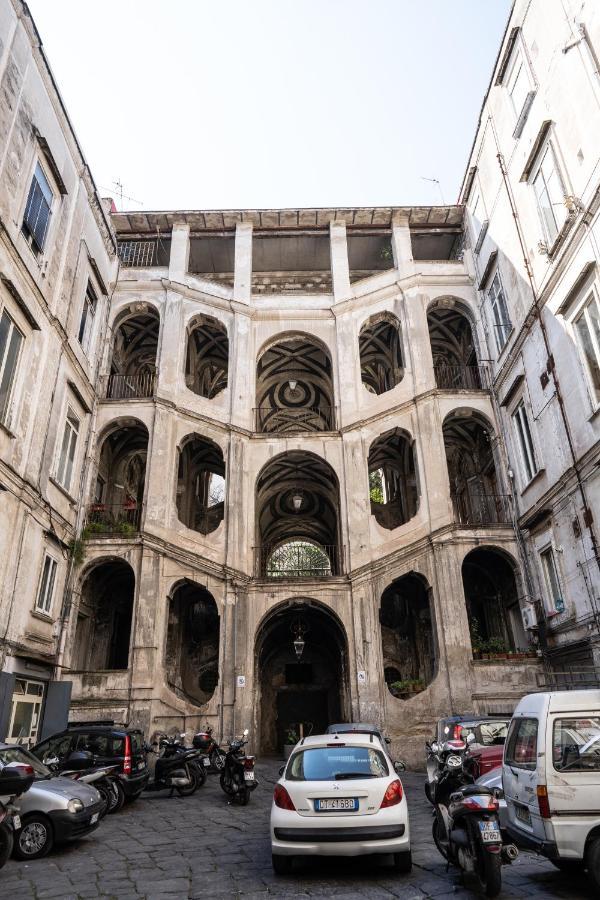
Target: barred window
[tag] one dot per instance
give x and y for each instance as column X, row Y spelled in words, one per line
column 38, row 210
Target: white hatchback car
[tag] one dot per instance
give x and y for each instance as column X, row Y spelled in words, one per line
column 339, row 795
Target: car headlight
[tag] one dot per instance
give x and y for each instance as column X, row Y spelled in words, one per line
column 74, row 806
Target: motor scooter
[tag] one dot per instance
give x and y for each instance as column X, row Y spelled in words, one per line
column 15, row 780
column 173, row 772
column 238, row 778
column 175, row 746
column 466, row 829
column 205, row 742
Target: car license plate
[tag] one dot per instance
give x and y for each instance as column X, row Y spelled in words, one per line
column 522, row 814
column 16, row 820
column 345, row 804
column 249, row 775
column 94, row 819
column 206, row 761
column 490, row 832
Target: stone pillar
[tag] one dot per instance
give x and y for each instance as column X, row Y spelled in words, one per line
column 417, row 343
column 172, row 347
column 349, row 393
column 340, row 271
column 401, row 244
column 242, row 279
column 180, row 252
column 228, row 662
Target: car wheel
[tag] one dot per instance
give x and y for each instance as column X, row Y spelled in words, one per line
column 6, row 844
column 403, row 862
column 282, row 865
column 120, row 797
column 35, row 837
column 592, row 861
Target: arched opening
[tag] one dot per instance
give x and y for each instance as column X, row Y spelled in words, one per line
column 474, row 488
column 207, row 357
column 192, row 652
column 380, row 349
column 294, row 387
column 200, row 484
column 303, row 683
column 104, row 617
column 453, row 349
column 393, row 486
column 133, row 363
column 492, row 600
column 120, row 481
column 407, row 635
column 297, row 502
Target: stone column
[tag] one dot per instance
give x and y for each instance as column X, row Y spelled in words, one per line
column 340, row 272
column 228, row 662
column 242, row 279
column 348, row 361
column 401, row 244
column 180, row 252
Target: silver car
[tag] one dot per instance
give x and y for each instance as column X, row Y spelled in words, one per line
column 493, row 779
column 54, row 809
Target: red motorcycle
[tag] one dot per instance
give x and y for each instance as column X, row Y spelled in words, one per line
column 205, row 742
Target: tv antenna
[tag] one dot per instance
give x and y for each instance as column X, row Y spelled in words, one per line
column 435, row 181
column 118, row 186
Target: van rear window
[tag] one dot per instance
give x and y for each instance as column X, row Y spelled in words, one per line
column 576, row 744
column 521, row 744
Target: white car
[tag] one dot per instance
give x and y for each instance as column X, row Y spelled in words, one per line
column 339, row 795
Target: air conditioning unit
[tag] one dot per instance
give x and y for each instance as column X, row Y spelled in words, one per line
column 529, row 616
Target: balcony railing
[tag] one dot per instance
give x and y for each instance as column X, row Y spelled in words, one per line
column 138, row 254
column 461, row 378
column 475, row 509
column 289, row 419
column 298, row 559
column 128, row 387
column 112, row 519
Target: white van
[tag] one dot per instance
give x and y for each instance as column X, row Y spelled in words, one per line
column 551, row 778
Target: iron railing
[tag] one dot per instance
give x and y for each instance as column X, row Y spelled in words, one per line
column 569, row 679
column 297, row 559
column 475, row 509
column 461, row 378
column 138, row 254
column 127, row 387
column 292, row 419
column 112, row 519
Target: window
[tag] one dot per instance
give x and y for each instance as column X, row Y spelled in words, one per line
column 576, row 744
column 550, row 195
column 57, row 747
column 64, row 471
column 88, row 313
column 11, row 340
column 587, row 330
column 551, row 580
column 500, row 318
column 46, row 589
column 525, row 441
column 38, row 210
column 518, row 85
column 521, row 744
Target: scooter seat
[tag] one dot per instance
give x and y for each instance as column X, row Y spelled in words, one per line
column 470, row 789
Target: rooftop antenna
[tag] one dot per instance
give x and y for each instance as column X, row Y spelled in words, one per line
column 435, row 181
column 119, row 189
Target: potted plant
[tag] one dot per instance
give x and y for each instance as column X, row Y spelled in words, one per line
column 291, row 739
column 496, row 647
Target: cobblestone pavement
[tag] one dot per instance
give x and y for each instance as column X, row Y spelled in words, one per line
column 201, row 847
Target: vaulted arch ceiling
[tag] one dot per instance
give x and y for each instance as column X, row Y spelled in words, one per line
column 451, row 337
column 136, row 344
column 294, row 376
column 207, row 357
column 380, row 349
column 392, row 467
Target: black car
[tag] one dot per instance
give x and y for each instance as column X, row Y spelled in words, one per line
column 111, row 744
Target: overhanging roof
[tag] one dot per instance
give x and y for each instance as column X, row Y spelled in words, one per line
column 134, row 222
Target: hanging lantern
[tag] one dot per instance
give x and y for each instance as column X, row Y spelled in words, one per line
column 299, row 644
column 292, row 384
column 299, row 629
column 297, row 500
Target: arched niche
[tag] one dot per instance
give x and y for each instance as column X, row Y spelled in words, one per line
column 294, row 386
column 192, row 648
column 200, row 484
column 207, row 357
column 492, row 598
column 134, row 353
column 103, row 629
column 380, row 350
column 393, row 481
column 408, row 641
column 453, row 347
column 120, row 480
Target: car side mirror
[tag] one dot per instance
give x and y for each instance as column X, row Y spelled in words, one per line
column 399, row 766
column 281, row 771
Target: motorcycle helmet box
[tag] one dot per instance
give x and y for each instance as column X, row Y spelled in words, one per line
column 202, row 740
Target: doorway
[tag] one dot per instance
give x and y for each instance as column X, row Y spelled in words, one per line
column 301, row 656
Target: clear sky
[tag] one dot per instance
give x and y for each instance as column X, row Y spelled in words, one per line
column 208, row 104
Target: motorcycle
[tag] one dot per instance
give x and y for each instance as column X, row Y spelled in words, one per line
column 466, row 829
column 81, row 765
column 205, row 742
column 238, row 778
column 14, row 781
column 200, row 764
column 173, row 771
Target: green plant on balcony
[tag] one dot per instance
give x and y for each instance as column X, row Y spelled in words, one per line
column 407, row 687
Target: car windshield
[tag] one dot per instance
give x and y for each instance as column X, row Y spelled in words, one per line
column 333, row 763
column 24, row 758
column 576, row 744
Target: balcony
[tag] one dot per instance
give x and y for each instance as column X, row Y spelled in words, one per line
column 461, row 378
column 128, row 387
column 296, row 560
column 475, row 509
column 290, row 420
column 144, row 254
column 117, row 519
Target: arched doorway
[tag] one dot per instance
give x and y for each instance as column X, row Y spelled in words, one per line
column 133, row 363
column 408, row 642
column 453, row 347
column 492, row 599
column 380, row 350
column 308, row 684
column 192, row 649
column 104, row 617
